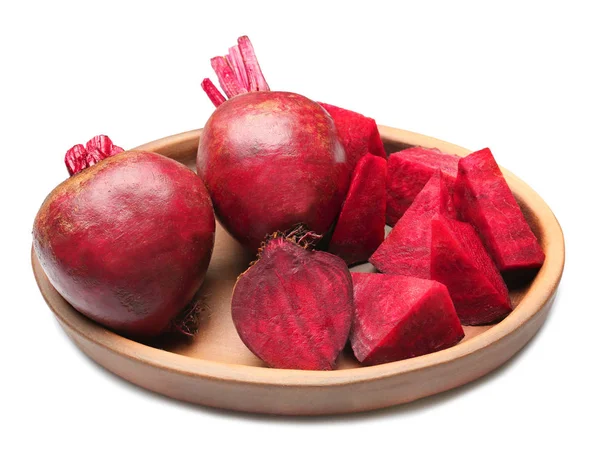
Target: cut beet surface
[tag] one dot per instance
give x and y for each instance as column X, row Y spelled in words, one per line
column 360, row 228
column 398, row 317
column 408, row 172
column 460, row 261
column 407, row 249
column 358, row 133
column 483, row 199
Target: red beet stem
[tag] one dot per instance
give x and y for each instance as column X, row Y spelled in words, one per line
column 80, row 157
column 213, row 92
column 227, row 79
column 236, row 61
column 253, row 71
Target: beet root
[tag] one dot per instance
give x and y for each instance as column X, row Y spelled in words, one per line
column 359, row 134
column 398, row 317
column 271, row 160
column 293, row 307
column 483, row 199
column 407, row 249
column 360, row 229
column 127, row 242
column 459, row 261
column 408, row 172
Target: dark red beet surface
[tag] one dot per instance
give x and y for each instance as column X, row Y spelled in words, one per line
column 293, row 308
column 359, row 134
column 398, row 317
column 360, row 229
column 408, row 172
column 483, row 199
column 271, row 160
column 127, row 242
column 407, row 249
column 459, row 261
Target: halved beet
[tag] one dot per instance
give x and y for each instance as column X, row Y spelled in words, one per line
column 408, row 172
column 483, row 199
column 459, row 261
column 360, row 229
column 407, row 249
column 358, row 133
column 293, row 307
column 398, row 317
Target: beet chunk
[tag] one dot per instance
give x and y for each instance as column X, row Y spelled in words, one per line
column 293, row 307
column 459, row 261
column 358, row 133
column 360, row 228
column 407, row 249
column 483, row 199
column 398, row 317
column 408, row 172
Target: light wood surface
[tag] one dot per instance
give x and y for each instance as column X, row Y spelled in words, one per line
column 216, row 369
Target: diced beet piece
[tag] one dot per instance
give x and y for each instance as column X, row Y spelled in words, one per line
column 398, row 317
column 483, row 199
column 358, row 133
column 407, row 249
column 408, row 172
column 360, row 228
column 460, row 261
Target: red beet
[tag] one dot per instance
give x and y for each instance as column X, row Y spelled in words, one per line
column 408, row 172
column 293, row 307
column 398, row 317
column 361, row 225
column 484, row 199
column 359, row 134
column 126, row 242
column 459, row 261
column 407, row 249
column 271, row 160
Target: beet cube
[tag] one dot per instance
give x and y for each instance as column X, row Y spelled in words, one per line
column 483, row 199
column 408, row 172
column 407, row 249
column 398, row 317
column 460, row 261
column 358, row 133
column 360, row 228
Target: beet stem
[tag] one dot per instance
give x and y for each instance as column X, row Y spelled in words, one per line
column 227, row 79
column 256, row 78
column 213, row 92
column 237, row 63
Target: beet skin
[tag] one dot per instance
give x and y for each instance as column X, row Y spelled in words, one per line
column 399, row 317
column 459, row 261
column 127, row 241
column 293, row 307
column 483, row 199
column 271, row 160
column 408, row 172
column 407, row 249
column 360, row 229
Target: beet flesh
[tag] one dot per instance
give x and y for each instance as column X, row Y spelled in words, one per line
column 293, row 307
column 483, row 198
column 398, row 317
column 460, row 261
column 127, row 241
column 408, row 172
column 359, row 134
column 271, row 160
column 407, row 249
column 360, row 228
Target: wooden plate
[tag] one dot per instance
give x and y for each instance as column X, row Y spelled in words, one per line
column 216, row 369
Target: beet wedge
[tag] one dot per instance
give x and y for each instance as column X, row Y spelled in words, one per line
column 360, row 228
column 293, row 307
column 398, row 317
column 407, row 249
column 459, row 261
column 483, row 199
column 408, row 172
column 358, row 133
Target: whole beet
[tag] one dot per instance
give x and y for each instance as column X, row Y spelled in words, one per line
column 127, row 241
column 271, row 160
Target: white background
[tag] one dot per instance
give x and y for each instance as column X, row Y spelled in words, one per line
column 521, row 78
